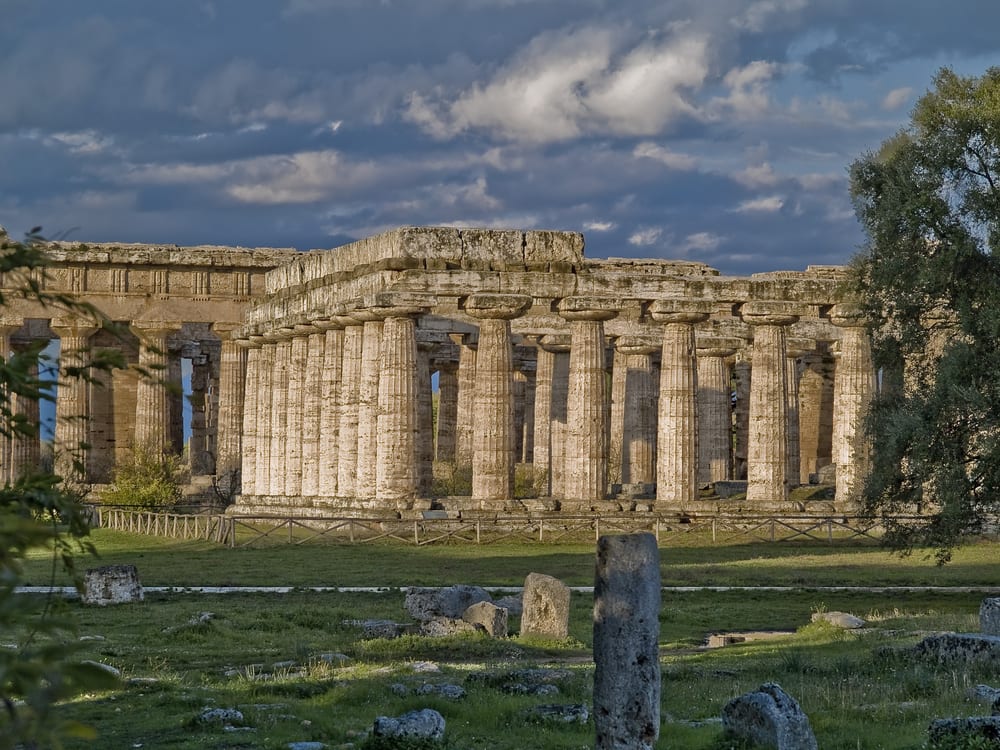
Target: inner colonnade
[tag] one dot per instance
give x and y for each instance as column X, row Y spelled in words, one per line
column 621, row 384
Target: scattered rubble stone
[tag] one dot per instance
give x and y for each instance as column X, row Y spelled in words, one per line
column 546, row 607
column 986, row 727
column 111, row 584
column 426, row 604
column 513, row 604
column 443, row 626
column 423, row 724
column 561, row 713
column 113, row 671
column 769, row 716
column 425, row 666
column 968, row 648
column 221, row 716
column 452, row 692
column 378, row 628
column 989, row 616
column 488, row 616
column 988, row 695
column 843, row 620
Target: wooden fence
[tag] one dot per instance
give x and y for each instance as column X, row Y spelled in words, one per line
column 252, row 530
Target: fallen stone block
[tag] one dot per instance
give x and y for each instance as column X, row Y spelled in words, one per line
column 959, row 648
column 488, row 616
column 985, row 727
column 378, row 628
column 111, row 584
column 426, row 604
column 989, row 616
column 769, row 716
column 546, row 607
column 559, row 713
column 843, row 620
column 443, row 626
column 425, row 724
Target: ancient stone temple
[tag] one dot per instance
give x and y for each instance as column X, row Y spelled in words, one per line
column 616, row 384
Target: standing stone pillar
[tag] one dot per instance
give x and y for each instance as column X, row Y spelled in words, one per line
column 232, row 396
column 297, row 362
column 528, row 434
column 312, row 408
column 543, row 414
column 627, row 642
column 586, row 481
column 677, row 425
column 72, row 400
column 767, row 459
column 365, row 472
column 327, row 441
column 447, row 411
column 640, row 398
column 175, row 398
column 199, row 456
column 425, row 419
column 25, row 446
column 250, row 416
column 518, row 393
column 265, row 407
column 153, row 429
column 466, row 398
column 279, row 410
column 715, row 423
column 398, row 413
column 493, row 409
column 855, row 376
column 350, row 376
column 559, row 424
column 616, row 428
column 742, row 372
column 795, row 349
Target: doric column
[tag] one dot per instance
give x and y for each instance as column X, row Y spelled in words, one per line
column 199, row 456
column 425, row 419
column 815, row 413
column 265, row 407
column 677, row 425
column 328, row 444
column 365, row 471
column 543, row 410
column 466, row 398
column 586, row 481
column 250, row 416
column 715, row 420
column 175, row 397
column 742, row 371
column 558, row 423
column 153, row 428
column 350, row 375
column 447, row 410
column 855, row 378
column 312, row 408
column 279, row 409
column 528, row 433
column 72, row 399
column 767, row 459
column 493, row 410
column 640, row 398
column 518, row 389
column 616, row 428
column 25, row 446
column 232, row 396
column 795, row 349
column 298, row 359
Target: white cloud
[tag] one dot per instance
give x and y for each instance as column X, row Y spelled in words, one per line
column 757, row 175
column 770, row 204
column 702, row 241
column 599, row 226
column 896, row 98
column 748, row 95
column 647, row 236
column 81, row 142
column 672, row 159
column 758, row 14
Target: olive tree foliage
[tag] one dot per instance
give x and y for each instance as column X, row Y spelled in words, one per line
column 38, row 511
column 929, row 280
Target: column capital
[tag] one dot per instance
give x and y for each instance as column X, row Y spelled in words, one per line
column 589, row 308
column 770, row 313
column 496, row 306
column 555, row 342
column 637, row 345
column 680, row 310
column 74, row 326
column 285, row 333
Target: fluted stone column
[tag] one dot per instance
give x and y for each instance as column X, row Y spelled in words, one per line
column 616, row 428
column 795, row 349
column 398, row 414
column 677, row 425
column 586, row 480
column 466, row 399
column 25, row 446
column 425, row 419
column 297, row 362
column 251, row 415
column 815, row 413
column 153, row 429
column 280, row 412
column 312, row 409
column 767, row 460
column 517, row 394
column 350, row 376
column 72, row 400
column 856, row 379
column 447, row 411
column 493, row 410
column 640, row 399
column 742, row 372
column 543, row 413
column 199, row 455
column 328, row 443
column 528, row 434
column 232, row 396
column 365, row 472
column 265, row 408
column 715, row 422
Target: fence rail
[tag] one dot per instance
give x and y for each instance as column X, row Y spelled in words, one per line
column 258, row 530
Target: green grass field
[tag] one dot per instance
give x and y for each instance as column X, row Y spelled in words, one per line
column 263, row 653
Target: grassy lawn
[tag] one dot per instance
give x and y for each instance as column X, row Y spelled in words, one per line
column 269, row 655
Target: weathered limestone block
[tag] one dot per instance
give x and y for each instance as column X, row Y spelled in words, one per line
column 985, row 727
column 439, row 627
column 546, row 607
column 426, row 604
column 626, row 642
column 111, row 584
column 489, row 616
column 543, row 246
column 989, row 616
column 425, row 724
column 839, row 619
column 498, row 249
column 769, row 716
column 958, row 648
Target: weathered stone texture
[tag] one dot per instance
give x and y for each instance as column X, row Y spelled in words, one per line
column 546, row 607
column 769, row 717
column 488, row 616
column 111, row 584
column 989, row 616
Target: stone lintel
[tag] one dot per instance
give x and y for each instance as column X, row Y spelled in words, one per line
column 465, row 339
column 589, row 308
column 847, row 315
column 770, row 312
column 731, row 343
column 414, row 300
column 799, row 347
column 496, row 306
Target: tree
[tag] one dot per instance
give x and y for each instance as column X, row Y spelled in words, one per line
column 929, row 281
column 38, row 510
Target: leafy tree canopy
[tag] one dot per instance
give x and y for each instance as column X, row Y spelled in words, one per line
column 929, row 279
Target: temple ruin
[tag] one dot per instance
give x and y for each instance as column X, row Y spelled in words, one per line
column 621, row 384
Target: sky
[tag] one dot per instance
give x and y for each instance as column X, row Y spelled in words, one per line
column 718, row 131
